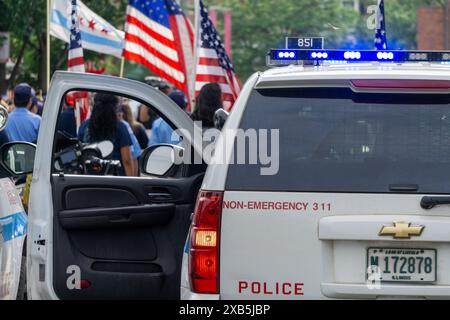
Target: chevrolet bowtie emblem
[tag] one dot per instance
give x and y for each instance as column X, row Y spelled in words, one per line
column 402, row 230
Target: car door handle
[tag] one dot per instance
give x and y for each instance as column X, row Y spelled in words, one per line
column 159, row 196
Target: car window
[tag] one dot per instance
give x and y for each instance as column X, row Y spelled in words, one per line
column 91, row 122
column 336, row 140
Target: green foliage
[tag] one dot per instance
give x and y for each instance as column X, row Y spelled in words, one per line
column 401, row 22
column 261, row 25
column 401, row 26
column 28, row 18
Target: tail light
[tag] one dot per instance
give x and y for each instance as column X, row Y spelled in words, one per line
column 204, row 243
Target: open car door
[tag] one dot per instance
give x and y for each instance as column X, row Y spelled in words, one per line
column 108, row 237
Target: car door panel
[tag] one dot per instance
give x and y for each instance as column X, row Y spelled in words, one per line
column 137, row 245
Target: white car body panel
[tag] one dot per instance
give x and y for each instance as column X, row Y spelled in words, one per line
column 268, row 245
column 216, row 176
column 325, row 252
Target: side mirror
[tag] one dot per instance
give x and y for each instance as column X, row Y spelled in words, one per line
column 18, row 157
column 3, row 117
column 220, row 117
column 158, row 160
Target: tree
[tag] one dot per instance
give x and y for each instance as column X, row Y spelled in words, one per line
column 26, row 21
column 261, row 25
column 401, row 19
column 401, row 23
column 19, row 25
column 258, row 25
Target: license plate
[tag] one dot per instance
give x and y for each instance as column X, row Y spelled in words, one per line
column 402, row 265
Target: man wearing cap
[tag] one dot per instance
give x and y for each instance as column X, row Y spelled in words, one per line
column 23, row 125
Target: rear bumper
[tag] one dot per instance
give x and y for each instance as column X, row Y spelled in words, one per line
column 187, row 294
column 357, row 291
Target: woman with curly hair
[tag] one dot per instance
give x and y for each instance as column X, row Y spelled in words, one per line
column 104, row 125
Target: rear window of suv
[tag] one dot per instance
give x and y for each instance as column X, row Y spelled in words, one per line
column 336, row 140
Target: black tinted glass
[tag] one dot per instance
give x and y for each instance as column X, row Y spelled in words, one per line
column 335, row 140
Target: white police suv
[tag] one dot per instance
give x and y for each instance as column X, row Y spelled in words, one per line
column 330, row 179
column 358, row 204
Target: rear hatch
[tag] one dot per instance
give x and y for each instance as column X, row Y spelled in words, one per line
column 342, row 218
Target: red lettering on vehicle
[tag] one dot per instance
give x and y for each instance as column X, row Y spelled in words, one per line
column 269, row 289
column 256, row 288
column 298, row 289
column 242, row 286
column 277, row 206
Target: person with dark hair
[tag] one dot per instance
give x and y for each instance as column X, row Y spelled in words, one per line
column 137, row 127
column 104, row 125
column 23, row 125
column 161, row 131
column 208, row 102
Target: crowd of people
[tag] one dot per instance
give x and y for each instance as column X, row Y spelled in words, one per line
column 131, row 129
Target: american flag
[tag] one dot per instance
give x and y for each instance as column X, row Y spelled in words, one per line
column 76, row 64
column 161, row 37
column 380, row 35
column 76, row 58
column 214, row 64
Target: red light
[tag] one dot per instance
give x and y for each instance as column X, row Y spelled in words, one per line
column 204, row 263
column 206, row 214
column 204, row 243
column 402, row 84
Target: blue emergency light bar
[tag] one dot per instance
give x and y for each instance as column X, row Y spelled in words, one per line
column 291, row 56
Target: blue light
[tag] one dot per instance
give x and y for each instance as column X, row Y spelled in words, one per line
column 288, row 55
column 296, row 56
column 385, row 55
column 352, row 55
column 319, row 55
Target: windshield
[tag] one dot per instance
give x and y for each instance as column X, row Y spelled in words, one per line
column 335, row 140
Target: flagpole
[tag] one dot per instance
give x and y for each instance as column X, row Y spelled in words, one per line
column 196, row 53
column 49, row 12
column 122, row 61
column 122, row 66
